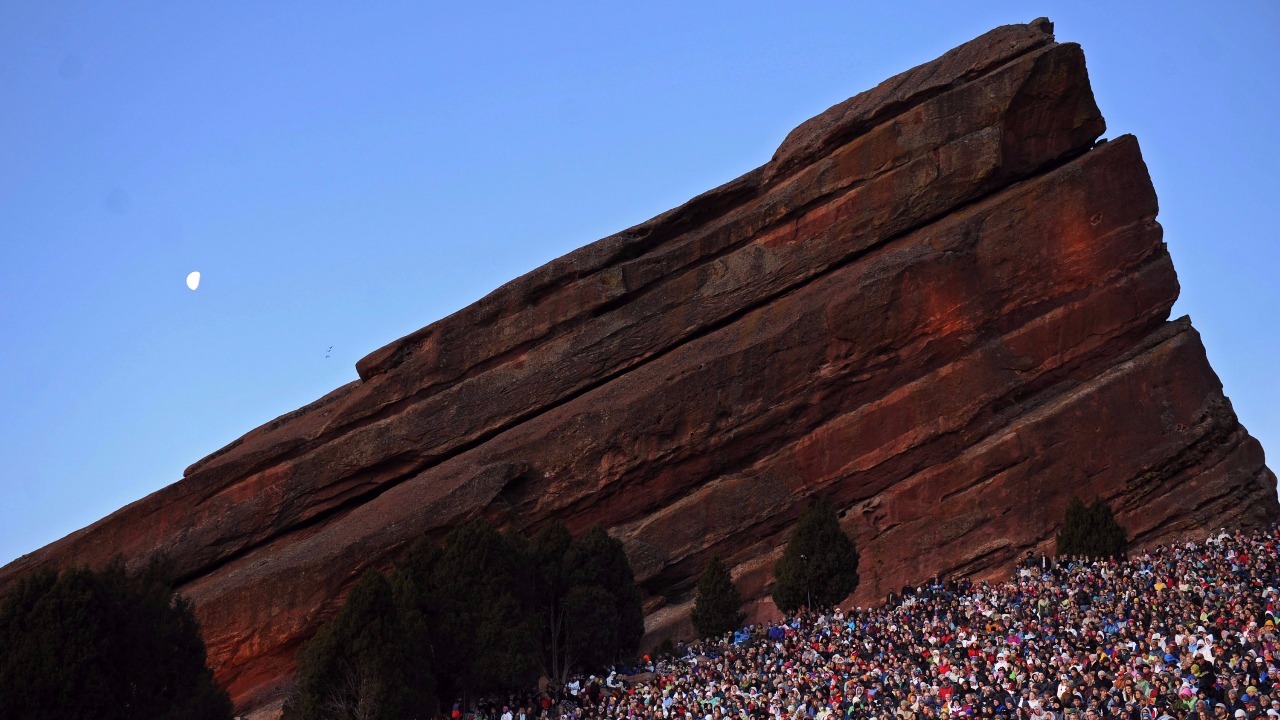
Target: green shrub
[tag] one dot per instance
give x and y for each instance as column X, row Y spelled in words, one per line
column 665, row 649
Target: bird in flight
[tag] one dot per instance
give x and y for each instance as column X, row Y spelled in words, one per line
column 326, row 352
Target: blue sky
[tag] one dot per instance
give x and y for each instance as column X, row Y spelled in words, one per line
column 343, row 174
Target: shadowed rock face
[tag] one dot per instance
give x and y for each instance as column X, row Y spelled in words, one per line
column 941, row 305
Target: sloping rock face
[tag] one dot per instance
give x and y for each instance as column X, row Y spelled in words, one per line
column 942, row 305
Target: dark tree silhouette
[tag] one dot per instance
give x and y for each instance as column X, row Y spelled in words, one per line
column 551, row 584
column 597, row 560
column 1091, row 531
column 586, row 599
column 717, row 609
column 104, row 645
column 485, row 635
column 819, row 565
column 479, row 617
column 365, row 663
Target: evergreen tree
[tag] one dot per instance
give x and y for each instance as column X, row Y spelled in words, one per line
column 367, row 663
column 484, row 613
column 1091, row 531
column 104, row 645
column 1076, row 528
column 551, row 584
column 586, row 599
column 486, row 636
column 416, row 596
column 717, row 607
column 412, row 577
column 594, row 562
column 593, row 630
column 819, row 565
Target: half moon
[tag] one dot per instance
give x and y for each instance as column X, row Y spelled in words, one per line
column 193, row 280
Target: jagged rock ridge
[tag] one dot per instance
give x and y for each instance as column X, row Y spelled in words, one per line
column 941, row 304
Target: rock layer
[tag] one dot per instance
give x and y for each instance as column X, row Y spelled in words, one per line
column 941, row 304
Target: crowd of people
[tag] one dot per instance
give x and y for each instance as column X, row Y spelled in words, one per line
column 1184, row 631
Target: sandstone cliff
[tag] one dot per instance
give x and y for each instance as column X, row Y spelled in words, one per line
column 941, row 304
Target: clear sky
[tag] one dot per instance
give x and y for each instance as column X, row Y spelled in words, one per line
column 345, row 173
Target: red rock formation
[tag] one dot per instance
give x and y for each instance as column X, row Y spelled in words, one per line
column 940, row 304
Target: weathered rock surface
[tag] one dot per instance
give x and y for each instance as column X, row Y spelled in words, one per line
column 940, row 304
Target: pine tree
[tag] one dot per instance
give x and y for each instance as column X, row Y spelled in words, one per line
column 486, row 635
column 596, row 564
column 819, row 565
column 551, row 584
column 1073, row 536
column 479, row 617
column 104, row 645
column 1112, row 539
column 717, row 607
column 1091, row 531
column 368, row 662
column 586, row 599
